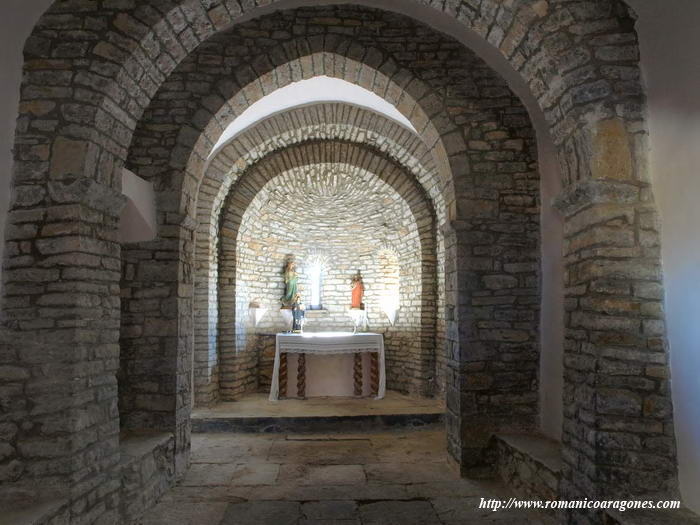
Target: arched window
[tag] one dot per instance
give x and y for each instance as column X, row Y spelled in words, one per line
column 316, row 278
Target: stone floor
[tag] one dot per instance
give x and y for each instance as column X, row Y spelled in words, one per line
column 258, row 405
column 391, row 478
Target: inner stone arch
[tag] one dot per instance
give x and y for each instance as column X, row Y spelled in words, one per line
column 346, row 216
column 483, row 123
column 222, row 97
column 312, row 91
column 360, row 161
column 325, row 121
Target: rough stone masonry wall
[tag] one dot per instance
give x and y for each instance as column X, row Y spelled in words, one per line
column 593, row 45
column 616, row 362
column 146, row 361
column 345, row 220
column 91, row 71
column 491, row 375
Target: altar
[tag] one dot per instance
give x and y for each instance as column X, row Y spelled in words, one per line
column 325, row 344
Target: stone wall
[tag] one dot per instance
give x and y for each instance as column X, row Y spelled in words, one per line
column 616, row 361
column 92, row 74
column 146, row 368
column 489, row 122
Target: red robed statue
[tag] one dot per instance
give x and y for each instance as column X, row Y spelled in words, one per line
column 358, row 289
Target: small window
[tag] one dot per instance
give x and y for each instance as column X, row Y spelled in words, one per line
column 316, row 286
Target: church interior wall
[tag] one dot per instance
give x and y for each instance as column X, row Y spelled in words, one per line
column 678, row 172
column 669, row 40
column 500, row 139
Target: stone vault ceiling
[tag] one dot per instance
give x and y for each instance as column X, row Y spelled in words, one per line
column 339, row 197
column 306, row 92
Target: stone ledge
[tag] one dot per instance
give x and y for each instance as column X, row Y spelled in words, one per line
column 87, row 192
column 146, row 471
column 134, row 446
column 312, row 425
column 317, row 313
column 586, row 193
column 542, row 449
column 529, row 463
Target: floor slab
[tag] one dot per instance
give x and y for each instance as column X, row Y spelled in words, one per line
column 375, row 478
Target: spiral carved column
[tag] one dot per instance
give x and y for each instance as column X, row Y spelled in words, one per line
column 301, row 376
column 374, row 373
column 357, row 375
column 283, row 375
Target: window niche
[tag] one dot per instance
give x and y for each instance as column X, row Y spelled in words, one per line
column 389, row 272
column 317, row 265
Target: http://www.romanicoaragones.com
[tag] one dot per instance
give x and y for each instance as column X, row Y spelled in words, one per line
column 619, row 505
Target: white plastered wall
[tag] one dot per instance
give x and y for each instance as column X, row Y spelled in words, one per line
column 670, row 45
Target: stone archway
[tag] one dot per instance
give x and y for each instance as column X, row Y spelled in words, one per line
column 322, row 122
column 353, row 158
column 65, row 207
column 480, row 197
column 343, row 238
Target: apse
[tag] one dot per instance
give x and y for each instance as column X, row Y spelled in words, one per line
column 335, row 220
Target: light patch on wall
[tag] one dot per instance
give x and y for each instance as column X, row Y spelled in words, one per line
column 310, row 91
column 390, row 299
column 138, row 221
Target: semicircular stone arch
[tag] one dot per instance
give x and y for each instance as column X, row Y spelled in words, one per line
column 541, row 39
column 321, row 121
column 340, row 214
column 350, row 158
column 263, row 67
column 480, row 120
column 318, row 122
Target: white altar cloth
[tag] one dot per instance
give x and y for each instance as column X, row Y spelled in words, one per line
column 326, row 343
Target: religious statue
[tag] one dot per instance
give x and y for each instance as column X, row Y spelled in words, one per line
column 291, row 278
column 358, row 289
column 298, row 317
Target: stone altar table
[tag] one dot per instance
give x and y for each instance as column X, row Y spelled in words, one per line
column 329, row 343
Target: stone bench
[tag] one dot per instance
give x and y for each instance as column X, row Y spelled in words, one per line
column 529, row 464
column 146, row 470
